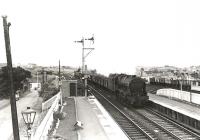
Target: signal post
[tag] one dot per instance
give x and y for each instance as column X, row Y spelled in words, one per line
column 89, row 50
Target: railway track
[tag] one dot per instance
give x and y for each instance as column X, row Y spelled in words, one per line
column 131, row 128
column 154, row 126
column 171, row 126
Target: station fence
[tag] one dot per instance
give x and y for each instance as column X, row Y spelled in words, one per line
column 45, row 125
column 180, row 95
column 47, row 104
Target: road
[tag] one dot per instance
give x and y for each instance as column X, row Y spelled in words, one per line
column 5, row 118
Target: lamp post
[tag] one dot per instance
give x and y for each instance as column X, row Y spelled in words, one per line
column 29, row 117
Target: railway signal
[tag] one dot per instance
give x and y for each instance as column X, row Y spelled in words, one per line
column 91, row 39
column 89, row 50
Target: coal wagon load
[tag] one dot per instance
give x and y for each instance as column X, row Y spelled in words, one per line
column 186, row 85
column 195, row 85
column 99, row 80
column 180, row 84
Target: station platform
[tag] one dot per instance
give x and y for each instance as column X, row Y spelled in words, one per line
column 97, row 124
column 181, row 107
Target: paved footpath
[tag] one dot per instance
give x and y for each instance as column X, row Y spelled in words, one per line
column 4, row 103
column 5, row 117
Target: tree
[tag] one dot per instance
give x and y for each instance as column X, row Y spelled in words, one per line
column 19, row 76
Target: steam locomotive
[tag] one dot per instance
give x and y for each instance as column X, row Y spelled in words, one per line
column 128, row 89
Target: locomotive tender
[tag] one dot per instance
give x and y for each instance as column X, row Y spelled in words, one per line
column 128, row 89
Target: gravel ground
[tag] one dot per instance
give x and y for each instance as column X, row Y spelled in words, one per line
column 66, row 126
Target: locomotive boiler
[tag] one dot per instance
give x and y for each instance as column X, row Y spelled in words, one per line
column 130, row 89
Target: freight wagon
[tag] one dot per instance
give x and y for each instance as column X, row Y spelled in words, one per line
column 186, row 85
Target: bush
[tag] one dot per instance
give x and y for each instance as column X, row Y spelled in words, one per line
column 20, row 77
column 59, row 115
column 48, row 94
column 48, row 90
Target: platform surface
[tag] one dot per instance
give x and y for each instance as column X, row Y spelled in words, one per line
column 181, row 107
column 97, row 123
column 66, row 126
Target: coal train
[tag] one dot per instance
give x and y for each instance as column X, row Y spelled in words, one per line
column 186, row 85
column 128, row 89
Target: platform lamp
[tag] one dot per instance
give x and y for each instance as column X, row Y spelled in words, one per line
column 29, row 117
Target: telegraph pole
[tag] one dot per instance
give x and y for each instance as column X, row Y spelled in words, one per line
column 10, row 72
column 42, row 80
column 43, row 76
column 84, row 71
column 59, row 71
column 46, row 76
column 59, row 84
column 37, row 76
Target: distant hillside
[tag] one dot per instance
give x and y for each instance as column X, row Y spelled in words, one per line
column 3, row 65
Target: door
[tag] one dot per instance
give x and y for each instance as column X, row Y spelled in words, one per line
column 72, row 89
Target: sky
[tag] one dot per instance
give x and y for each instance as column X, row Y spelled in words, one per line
column 128, row 33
